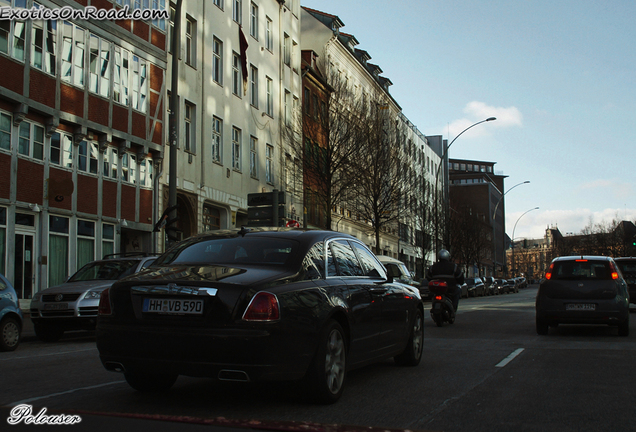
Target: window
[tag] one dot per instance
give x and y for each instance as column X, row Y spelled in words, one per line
column 73, row 49
column 254, row 86
column 43, row 44
column 160, row 5
column 85, row 242
column 190, row 143
column 219, row 3
column 5, row 131
column 145, row 172
column 99, row 66
column 269, row 164
column 254, row 21
column 58, row 250
column 236, row 74
column 315, row 105
column 269, row 35
column 31, row 140
column 87, row 157
column 236, row 149
column 120, row 78
column 190, row 48
column 139, row 84
column 270, row 97
column 211, row 218
column 13, row 32
column 287, row 49
column 287, row 108
column 346, row 260
column 217, row 61
column 61, row 151
column 307, row 100
column 217, row 139
column 108, row 239
column 253, row 157
column 236, row 10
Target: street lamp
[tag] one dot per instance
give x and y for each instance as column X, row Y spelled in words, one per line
column 444, row 162
column 494, row 231
column 512, row 258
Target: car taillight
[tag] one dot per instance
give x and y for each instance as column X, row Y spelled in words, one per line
column 438, row 298
column 263, row 307
column 436, row 283
column 548, row 274
column 614, row 271
column 104, row 303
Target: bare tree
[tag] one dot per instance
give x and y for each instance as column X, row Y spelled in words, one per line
column 469, row 237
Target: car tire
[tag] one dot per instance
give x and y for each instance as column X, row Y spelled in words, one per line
column 623, row 328
column 9, row 334
column 150, row 382
column 326, row 376
column 542, row 327
column 412, row 354
column 48, row 333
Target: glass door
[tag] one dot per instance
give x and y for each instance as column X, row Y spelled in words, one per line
column 24, row 278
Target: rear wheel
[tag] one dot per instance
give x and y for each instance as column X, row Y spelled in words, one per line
column 150, row 382
column 326, row 375
column 438, row 317
column 413, row 352
column 542, row 327
column 48, row 333
column 9, row 334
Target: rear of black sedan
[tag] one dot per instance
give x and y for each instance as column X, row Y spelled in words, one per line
column 583, row 290
column 255, row 305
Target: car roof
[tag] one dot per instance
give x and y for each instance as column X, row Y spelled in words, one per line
column 585, row 257
column 625, row 259
column 299, row 234
column 385, row 259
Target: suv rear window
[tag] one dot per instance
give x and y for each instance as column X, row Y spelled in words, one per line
column 581, row 269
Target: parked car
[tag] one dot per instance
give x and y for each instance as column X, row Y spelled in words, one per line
column 583, row 290
column 627, row 266
column 464, row 292
column 489, row 284
column 510, row 286
column 73, row 304
column 259, row 304
column 475, row 286
column 400, row 273
column 11, row 317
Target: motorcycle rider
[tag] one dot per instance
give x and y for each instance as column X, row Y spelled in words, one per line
column 449, row 272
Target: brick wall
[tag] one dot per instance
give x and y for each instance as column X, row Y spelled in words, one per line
column 86, row 194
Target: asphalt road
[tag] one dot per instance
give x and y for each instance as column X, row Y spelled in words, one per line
column 489, row 371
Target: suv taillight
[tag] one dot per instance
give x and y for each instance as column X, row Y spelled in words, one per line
column 104, row 303
column 263, row 307
column 548, row 274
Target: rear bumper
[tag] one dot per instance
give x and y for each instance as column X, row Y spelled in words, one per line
column 554, row 311
column 231, row 353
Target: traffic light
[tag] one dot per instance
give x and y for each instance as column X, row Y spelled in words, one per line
column 166, row 223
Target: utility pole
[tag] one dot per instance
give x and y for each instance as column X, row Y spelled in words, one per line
column 174, row 126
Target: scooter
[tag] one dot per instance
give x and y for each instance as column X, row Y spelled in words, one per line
column 442, row 309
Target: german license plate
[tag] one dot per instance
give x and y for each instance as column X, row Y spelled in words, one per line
column 56, row 306
column 173, row 306
column 580, row 306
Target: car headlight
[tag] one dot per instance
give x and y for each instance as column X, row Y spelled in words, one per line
column 93, row 295
column 36, row 297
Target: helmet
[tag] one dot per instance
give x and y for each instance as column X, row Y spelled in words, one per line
column 443, row 255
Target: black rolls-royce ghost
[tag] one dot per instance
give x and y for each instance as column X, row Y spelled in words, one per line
column 259, row 304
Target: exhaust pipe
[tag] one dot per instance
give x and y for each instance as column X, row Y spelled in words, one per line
column 115, row 367
column 233, row 375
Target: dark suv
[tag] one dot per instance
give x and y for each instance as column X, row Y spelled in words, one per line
column 627, row 266
column 73, row 304
column 583, row 290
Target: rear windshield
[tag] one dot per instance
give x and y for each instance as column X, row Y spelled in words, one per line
column 105, row 270
column 581, row 269
column 239, row 250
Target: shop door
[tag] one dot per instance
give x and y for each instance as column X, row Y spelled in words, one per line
column 24, row 278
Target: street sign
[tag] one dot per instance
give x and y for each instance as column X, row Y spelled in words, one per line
column 259, row 213
column 264, row 199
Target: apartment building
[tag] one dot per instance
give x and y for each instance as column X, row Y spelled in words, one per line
column 321, row 33
column 82, row 126
column 476, row 193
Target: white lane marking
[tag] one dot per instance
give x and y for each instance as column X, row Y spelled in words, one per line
column 508, row 359
column 26, row 401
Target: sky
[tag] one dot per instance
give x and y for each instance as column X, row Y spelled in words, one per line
column 560, row 76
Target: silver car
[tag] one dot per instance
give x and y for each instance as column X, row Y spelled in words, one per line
column 73, row 304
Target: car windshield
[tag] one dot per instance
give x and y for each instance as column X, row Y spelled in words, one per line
column 581, row 269
column 105, row 270
column 238, row 250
